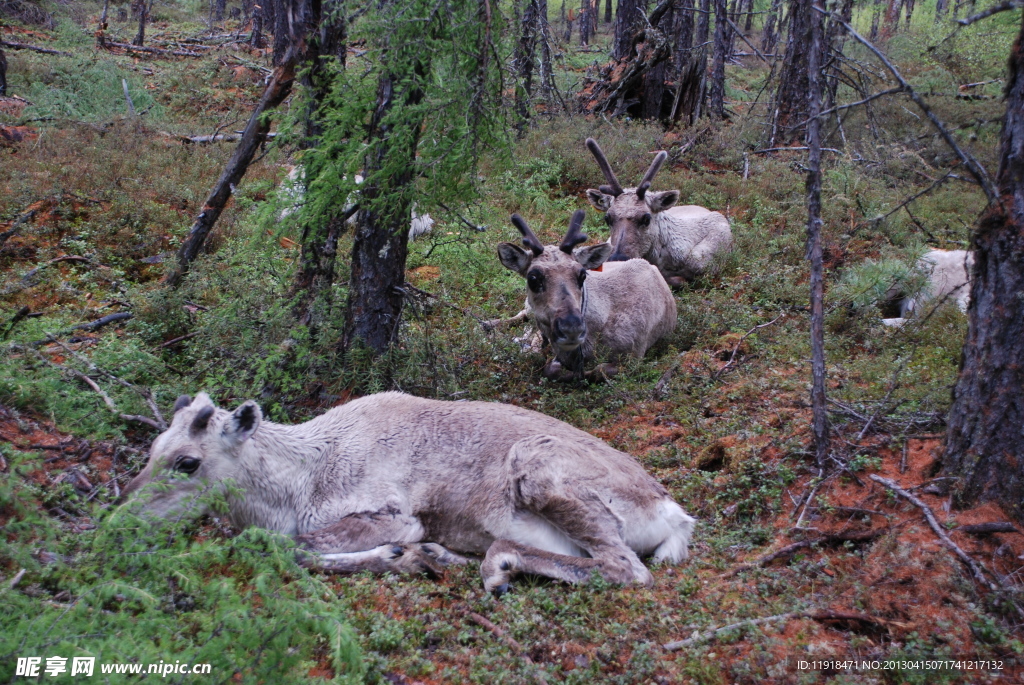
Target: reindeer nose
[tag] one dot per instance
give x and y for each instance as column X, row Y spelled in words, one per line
column 570, row 330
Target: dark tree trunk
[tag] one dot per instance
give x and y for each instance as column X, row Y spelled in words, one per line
column 790, row 106
column 283, row 14
column 3, row 72
column 985, row 447
column 657, row 99
column 730, row 32
column 876, row 14
column 327, row 31
column 815, row 54
column 909, row 9
column 703, row 23
column 219, row 7
column 381, row 242
column 749, row 24
column 771, row 36
column 941, row 7
column 256, row 38
column 140, row 37
column 547, row 78
column 892, row 18
column 607, row 11
column 717, row 104
column 627, row 20
column 587, row 9
column 525, row 53
column 683, row 32
column 834, row 42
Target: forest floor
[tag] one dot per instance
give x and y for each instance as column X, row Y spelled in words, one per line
column 719, row 413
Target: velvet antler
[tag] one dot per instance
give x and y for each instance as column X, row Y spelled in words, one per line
column 613, row 187
column 659, row 159
column 574, row 236
column 529, row 239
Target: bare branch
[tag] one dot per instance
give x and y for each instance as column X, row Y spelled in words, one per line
column 1009, row 5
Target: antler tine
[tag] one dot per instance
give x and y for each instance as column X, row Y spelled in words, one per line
column 529, row 238
column 574, row 236
column 659, row 159
column 613, row 183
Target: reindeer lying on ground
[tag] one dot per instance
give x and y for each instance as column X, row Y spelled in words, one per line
column 366, row 484
column 680, row 241
column 618, row 312
column 949, row 278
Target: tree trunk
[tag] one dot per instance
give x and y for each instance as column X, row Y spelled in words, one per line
column 547, row 77
column 892, row 18
column 586, row 21
column 771, row 36
column 219, row 7
column 282, row 27
column 140, row 37
column 790, row 106
column 657, row 100
column 3, row 73
column 627, row 19
column 730, row 33
column 703, row 23
column 815, row 54
column 327, row 31
column 607, row 11
column 749, row 24
column 876, row 14
column 256, row 38
column 381, row 245
column 524, row 60
column 254, row 135
column 941, row 7
column 909, row 8
column 985, row 447
column 717, row 105
column 683, row 32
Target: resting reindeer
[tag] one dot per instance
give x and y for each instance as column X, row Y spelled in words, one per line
column 621, row 311
column 948, row 278
column 366, row 484
column 645, row 224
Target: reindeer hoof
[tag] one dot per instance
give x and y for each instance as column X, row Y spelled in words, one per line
column 553, row 369
column 414, row 560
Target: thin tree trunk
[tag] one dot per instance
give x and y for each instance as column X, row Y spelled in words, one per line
column 909, row 9
column 381, row 242
column 703, row 23
column 717, row 105
column 749, row 24
column 3, row 73
column 547, row 77
column 941, row 7
column 586, row 21
column 140, row 37
column 790, row 104
column 892, row 18
column 254, row 135
column 256, row 38
column 730, row 33
column 219, row 9
column 984, row 444
column 684, row 35
column 876, row 14
column 524, row 59
column 814, row 251
column 627, row 18
column 607, row 11
column 771, row 36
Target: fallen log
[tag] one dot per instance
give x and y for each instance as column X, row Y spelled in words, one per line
column 33, row 48
column 128, row 47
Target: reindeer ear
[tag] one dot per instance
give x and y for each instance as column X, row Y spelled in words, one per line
column 242, row 423
column 593, row 256
column 662, row 200
column 514, row 257
column 601, row 201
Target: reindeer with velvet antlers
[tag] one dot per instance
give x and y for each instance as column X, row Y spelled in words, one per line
column 617, row 312
column 680, row 240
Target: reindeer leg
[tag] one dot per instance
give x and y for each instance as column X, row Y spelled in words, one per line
column 382, row 542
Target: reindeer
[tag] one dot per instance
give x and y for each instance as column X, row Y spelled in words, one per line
column 620, row 312
column 680, row 241
column 390, row 482
column 949, row 278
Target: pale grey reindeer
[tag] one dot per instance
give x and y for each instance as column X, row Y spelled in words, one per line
column 646, row 224
column 615, row 313
column 948, row 275
column 391, row 482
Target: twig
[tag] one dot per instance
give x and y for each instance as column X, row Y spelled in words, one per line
column 16, row 226
column 988, row 528
column 33, row 48
column 744, row 39
column 177, row 340
column 783, row 149
column 507, row 639
column 972, row 165
column 976, row 568
column 819, row 615
column 410, row 286
column 103, row 321
column 736, row 348
column 1009, row 5
column 153, row 51
column 861, row 536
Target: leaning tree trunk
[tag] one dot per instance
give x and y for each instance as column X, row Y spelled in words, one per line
column 985, row 447
column 381, row 245
column 790, row 105
column 815, row 54
column 657, row 101
column 717, row 105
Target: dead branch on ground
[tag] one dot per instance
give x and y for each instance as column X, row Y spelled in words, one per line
column 32, row 48
column 16, row 226
column 817, row 615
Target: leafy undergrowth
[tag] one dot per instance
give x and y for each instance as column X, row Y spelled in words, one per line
column 717, row 413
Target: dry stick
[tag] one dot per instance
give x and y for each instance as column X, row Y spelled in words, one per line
column 977, row 569
column 160, row 423
column 783, row 149
column 818, row 615
column 988, row 528
column 743, row 38
column 96, row 388
column 935, row 184
column 177, row 340
column 33, row 48
column 16, row 226
column 972, row 165
column 736, row 348
column 507, row 639
column 153, row 51
column 1010, row 5
column 862, row 536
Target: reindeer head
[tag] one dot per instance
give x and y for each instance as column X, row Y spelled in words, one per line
column 630, row 212
column 554, row 279
column 199, row 449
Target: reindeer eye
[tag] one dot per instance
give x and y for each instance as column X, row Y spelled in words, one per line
column 188, row 465
column 645, row 220
column 535, row 281
column 608, row 219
